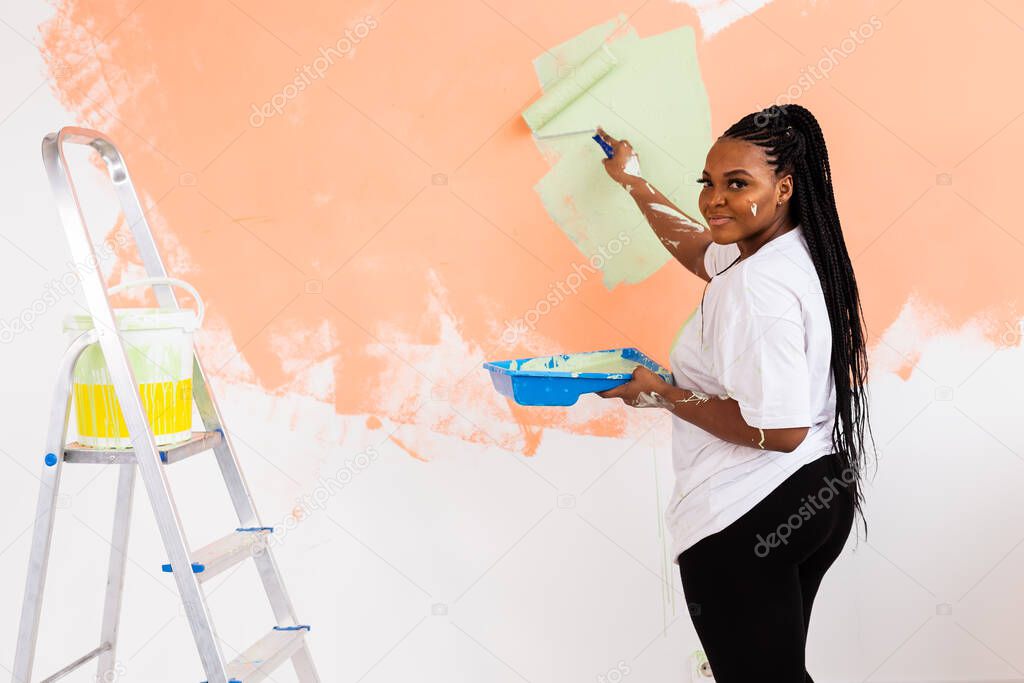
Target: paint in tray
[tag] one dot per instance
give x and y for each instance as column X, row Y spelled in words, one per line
column 560, row 380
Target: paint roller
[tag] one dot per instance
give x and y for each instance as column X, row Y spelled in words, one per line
column 567, row 90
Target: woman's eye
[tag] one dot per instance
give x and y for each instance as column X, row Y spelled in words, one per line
column 735, row 183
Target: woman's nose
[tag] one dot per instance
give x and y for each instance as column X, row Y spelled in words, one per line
column 716, row 198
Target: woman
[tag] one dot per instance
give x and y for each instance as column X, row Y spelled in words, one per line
column 770, row 393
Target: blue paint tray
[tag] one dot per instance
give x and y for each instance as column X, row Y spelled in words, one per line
column 547, row 386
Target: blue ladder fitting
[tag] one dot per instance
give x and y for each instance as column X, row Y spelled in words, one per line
column 197, row 568
column 50, row 459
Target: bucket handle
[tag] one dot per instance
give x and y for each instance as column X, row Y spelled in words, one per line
column 200, row 306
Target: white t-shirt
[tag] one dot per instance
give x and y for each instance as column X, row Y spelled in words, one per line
column 767, row 344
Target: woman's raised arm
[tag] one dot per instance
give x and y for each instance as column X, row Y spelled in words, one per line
column 684, row 237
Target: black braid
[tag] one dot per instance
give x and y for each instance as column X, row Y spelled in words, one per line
column 794, row 144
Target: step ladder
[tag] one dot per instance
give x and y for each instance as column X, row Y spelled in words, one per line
column 284, row 640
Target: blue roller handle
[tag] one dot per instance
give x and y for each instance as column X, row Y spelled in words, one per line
column 608, row 150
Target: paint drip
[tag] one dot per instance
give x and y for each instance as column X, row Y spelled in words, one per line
column 753, row 208
column 677, row 217
column 697, row 397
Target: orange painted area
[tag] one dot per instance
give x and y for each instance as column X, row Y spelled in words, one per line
column 393, row 196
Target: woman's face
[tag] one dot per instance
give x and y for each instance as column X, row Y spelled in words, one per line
column 741, row 192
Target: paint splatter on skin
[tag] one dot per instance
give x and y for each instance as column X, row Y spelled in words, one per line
column 678, row 217
column 761, row 443
column 649, row 400
column 632, row 166
column 753, row 208
column 697, row 397
column 652, row 399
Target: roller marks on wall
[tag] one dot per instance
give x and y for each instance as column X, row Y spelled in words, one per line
column 655, row 99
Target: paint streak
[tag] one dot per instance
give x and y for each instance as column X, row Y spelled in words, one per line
column 422, row 256
column 632, row 166
column 678, row 217
column 408, row 449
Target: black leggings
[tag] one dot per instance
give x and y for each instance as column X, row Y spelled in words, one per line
column 750, row 586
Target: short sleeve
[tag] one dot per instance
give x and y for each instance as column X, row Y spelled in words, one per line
column 762, row 363
column 717, row 257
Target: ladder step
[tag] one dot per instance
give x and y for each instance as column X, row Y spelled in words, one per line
column 269, row 652
column 75, row 452
column 225, row 553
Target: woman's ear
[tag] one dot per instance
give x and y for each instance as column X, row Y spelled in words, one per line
column 784, row 189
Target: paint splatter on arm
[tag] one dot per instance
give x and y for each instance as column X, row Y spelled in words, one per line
column 721, row 416
column 682, row 235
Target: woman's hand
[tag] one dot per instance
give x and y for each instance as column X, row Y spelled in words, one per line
column 624, row 165
column 644, row 382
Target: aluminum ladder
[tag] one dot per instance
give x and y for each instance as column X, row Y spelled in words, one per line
column 287, row 639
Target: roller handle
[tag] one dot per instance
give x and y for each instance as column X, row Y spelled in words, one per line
column 608, row 149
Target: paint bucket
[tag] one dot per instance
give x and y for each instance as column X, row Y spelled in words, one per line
column 158, row 344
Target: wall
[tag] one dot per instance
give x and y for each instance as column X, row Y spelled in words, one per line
column 363, row 244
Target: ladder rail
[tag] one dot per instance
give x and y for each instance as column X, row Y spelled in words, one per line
column 46, row 507
column 122, row 376
column 238, row 488
column 145, row 454
column 227, row 460
column 107, row 665
column 241, row 498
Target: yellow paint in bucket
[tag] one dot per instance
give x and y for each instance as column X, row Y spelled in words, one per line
column 158, row 343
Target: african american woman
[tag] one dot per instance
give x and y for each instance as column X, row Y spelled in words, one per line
column 769, row 397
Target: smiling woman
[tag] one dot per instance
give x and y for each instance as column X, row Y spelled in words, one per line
column 778, row 342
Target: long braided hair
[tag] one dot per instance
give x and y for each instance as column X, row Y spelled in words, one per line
column 794, row 144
